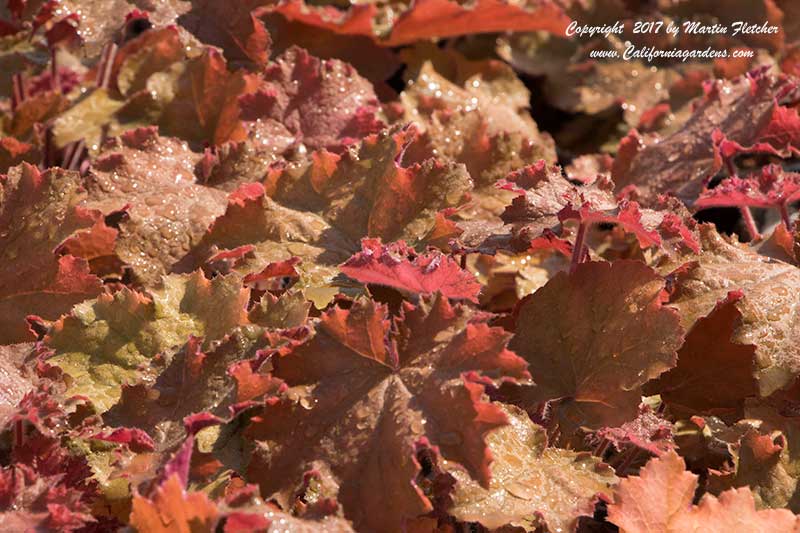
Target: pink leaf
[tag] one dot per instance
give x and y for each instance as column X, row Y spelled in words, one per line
column 397, row 265
column 627, row 216
column 772, row 188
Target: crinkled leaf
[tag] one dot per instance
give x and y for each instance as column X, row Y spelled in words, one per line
column 320, row 210
column 531, row 484
column 713, row 374
column 648, row 431
column 103, row 342
column 288, row 310
column 376, row 395
column 593, row 338
column 38, row 211
column 683, row 160
column 324, row 103
column 428, row 18
column 771, row 188
column 542, row 193
column 475, row 113
column 100, row 21
column 627, row 216
column 271, row 233
column 195, row 381
column 368, row 191
column 230, row 26
column 48, row 483
column 151, row 179
column 203, row 100
column 769, row 308
column 398, row 266
column 668, row 491
column 172, row 508
column 234, row 164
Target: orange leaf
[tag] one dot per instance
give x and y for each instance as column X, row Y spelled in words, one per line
column 173, row 510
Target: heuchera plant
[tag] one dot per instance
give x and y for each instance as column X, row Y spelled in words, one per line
column 418, row 266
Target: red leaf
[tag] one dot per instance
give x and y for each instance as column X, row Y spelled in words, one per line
column 97, row 241
column 544, row 192
column 673, row 225
column 783, row 129
column 363, row 329
column 231, row 26
column 149, row 179
column 280, row 269
column 530, row 177
column 64, row 32
column 569, row 332
column 206, row 105
column 779, row 136
column 430, row 18
column 772, row 188
column 324, row 103
column 550, row 241
column 696, row 385
column 380, row 390
column 741, row 112
column 648, row 431
column 251, row 384
column 40, row 283
column 195, row 381
column 16, row 7
column 47, row 484
column 396, row 265
column 137, row 439
column 627, row 216
column 13, row 152
column 234, row 255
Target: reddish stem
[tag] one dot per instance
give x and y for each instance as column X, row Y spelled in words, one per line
column 19, row 434
column 601, row 448
column 628, row 459
column 106, row 65
column 752, row 229
column 785, row 216
column 67, row 155
column 104, row 134
column 17, row 91
column 73, row 162
column 578, row 251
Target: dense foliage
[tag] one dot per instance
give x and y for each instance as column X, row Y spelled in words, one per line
column 396, row 266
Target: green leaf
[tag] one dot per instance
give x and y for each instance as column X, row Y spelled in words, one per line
column 103, row 342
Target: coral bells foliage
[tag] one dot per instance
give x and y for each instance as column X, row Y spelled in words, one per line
column 373, row 394
column 400, row 267
column 312, row 266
